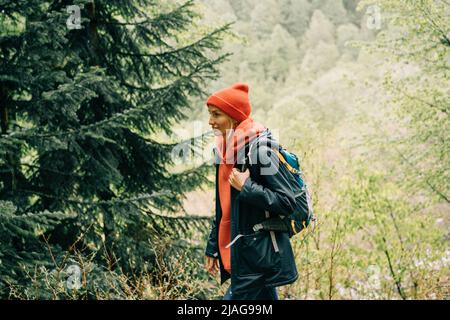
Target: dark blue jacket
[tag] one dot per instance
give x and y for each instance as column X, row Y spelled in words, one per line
column 257, row 258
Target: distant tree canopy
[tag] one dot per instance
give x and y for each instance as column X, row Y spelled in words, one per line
column 282, row 37
column 371, row 131
column 416, row 42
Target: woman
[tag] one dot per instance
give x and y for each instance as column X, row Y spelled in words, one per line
column 256, row 262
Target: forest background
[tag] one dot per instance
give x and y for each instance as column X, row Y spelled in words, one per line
column 106, row 180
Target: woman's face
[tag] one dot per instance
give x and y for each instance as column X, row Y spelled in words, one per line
column 220, row 121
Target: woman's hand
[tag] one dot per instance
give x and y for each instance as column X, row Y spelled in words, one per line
column 237, row 179
column 211, row 265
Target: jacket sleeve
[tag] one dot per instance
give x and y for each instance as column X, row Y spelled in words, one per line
column 276, row 194
column 212, row 248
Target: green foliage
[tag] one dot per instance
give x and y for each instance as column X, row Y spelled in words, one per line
column 80, row 110
column 371, row 130
column 416, row 44
column 295, row 16
column 176, row 275
column 373, row 244
column 85, row 181
column 21, row 248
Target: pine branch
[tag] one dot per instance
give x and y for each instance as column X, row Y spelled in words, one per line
column 112, row 202
column 32, row 133
column 151, row 21
column 176, row 226
column 197, row 43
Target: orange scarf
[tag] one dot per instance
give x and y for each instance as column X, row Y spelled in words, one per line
column 246, row 131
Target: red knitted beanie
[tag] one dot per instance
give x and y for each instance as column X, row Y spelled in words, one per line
column 233, row 101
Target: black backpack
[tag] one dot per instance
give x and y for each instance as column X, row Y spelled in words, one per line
column 301, row 218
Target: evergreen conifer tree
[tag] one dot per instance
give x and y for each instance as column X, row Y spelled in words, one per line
column 80, row 108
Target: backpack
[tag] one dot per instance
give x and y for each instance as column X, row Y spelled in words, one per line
column 303, row 215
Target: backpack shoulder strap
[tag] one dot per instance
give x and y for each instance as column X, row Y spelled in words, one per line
column 283, row 160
